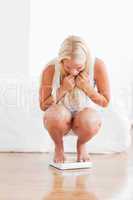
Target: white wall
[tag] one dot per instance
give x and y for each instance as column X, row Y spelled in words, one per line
column 14, row 69
column 14, row 37
column 105, row 25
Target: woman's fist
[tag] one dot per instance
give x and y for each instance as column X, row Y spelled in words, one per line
column 68, row 83
column 81, row 82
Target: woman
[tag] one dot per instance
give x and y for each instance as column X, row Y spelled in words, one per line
column 67, row 90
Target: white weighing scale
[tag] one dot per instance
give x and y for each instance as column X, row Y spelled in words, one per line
column 71, row 165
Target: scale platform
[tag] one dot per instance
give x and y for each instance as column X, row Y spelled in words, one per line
column 71, row 165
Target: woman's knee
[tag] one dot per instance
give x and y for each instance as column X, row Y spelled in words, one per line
column 57, row 116
column 87, row 122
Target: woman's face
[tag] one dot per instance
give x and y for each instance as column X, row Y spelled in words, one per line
column 72, row 67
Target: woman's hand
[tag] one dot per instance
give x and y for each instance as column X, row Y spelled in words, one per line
column 81, row 82
column 68, row 83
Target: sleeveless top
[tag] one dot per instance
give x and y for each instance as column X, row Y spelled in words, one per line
column 82, row 99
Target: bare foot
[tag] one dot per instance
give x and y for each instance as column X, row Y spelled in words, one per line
column 59, row 155
column 82, row 154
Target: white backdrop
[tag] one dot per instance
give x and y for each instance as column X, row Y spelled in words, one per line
column 105, row 25
column 26, row 47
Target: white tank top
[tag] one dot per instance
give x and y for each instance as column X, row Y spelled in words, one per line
column 83, row 99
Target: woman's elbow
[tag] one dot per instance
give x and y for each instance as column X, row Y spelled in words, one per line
column 106, row 102
column 42, row 106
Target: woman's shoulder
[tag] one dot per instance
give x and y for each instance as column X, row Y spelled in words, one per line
column 99, row 66
column 48, row 69
column 52, row 61
column 50, row 65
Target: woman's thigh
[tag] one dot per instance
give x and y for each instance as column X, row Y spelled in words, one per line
column 86, row 121
column 57, row 116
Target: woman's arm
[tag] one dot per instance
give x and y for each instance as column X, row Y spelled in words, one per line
column 60, row 93
column 45, row 97
column 102, row 95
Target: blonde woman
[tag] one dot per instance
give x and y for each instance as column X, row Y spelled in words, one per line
column 69, row 85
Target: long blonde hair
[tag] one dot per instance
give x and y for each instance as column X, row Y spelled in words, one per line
column 74, row 47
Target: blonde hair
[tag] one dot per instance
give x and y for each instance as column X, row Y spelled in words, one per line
column 74, row 47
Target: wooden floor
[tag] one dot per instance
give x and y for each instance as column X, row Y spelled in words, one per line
column 27, row 176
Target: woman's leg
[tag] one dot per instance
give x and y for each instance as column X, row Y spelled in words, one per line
column 86, row 123
column 57, row 120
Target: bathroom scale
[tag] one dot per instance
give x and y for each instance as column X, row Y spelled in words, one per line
column 71, row 165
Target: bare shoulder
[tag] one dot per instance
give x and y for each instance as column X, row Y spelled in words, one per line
column 47, row 73
column 99, row 68
column 101, row 78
